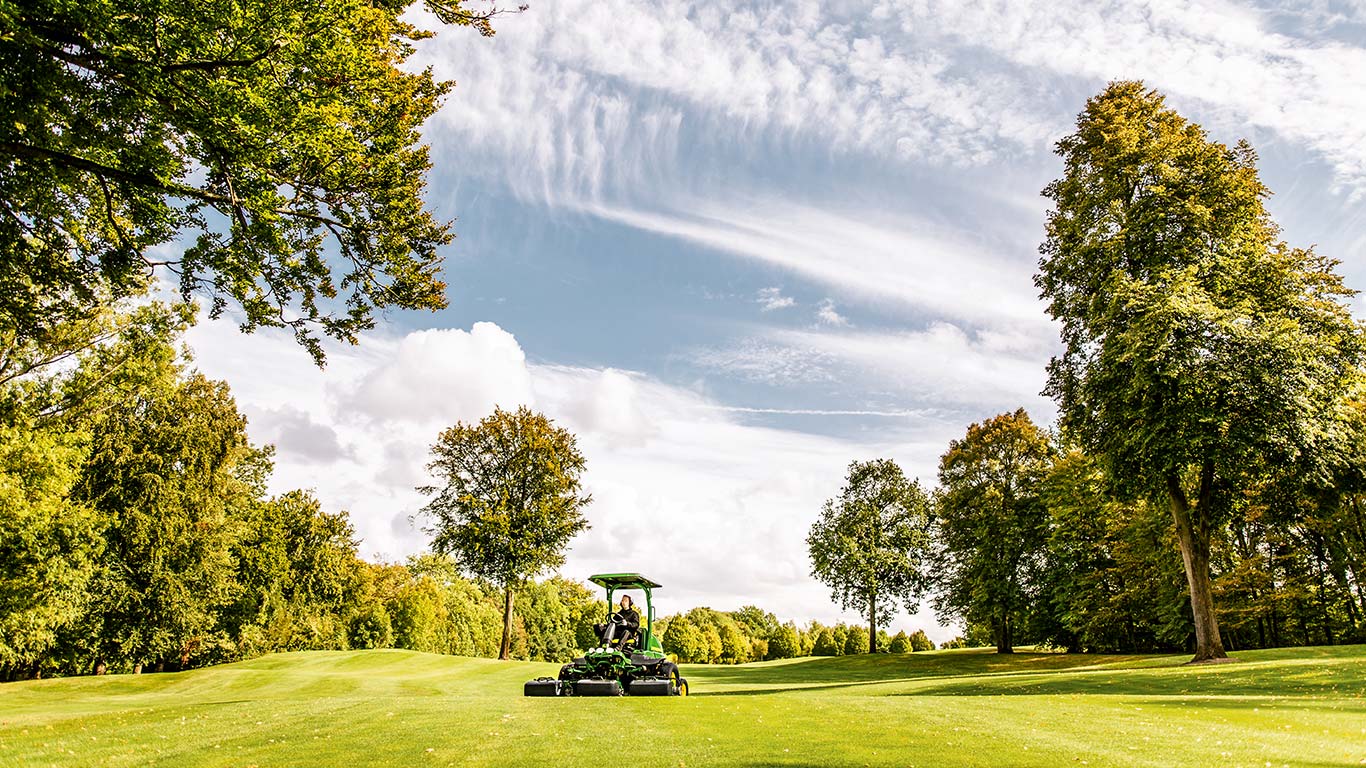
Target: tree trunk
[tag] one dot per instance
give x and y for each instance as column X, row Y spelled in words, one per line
column 101, row 667
column 1192, row 532
column 872, row 623
column 137, row 668
column 1004, row 642
column 505, row 650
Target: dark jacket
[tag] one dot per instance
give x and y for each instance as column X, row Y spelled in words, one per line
column 630, row 617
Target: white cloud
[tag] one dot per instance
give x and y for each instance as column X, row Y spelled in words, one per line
column 942, row 368
column 1223, row 55
column 713, row 507
column 912, row 264
column 444, row 376
column 827, row 315
column 772, row 298
column 592, row 98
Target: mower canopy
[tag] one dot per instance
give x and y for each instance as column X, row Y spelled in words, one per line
column 616, row 581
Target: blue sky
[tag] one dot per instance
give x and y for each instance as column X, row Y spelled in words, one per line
column 736, row 245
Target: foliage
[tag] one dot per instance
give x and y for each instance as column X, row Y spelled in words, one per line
column 371, row 627
column 159, row 475
column 48, row 542
column 282, row 138
column 1113, row 581
column 1199, row 351
column 868, row 544
column 511, row 499
column 990, row 524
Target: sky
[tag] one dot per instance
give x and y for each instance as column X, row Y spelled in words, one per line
column 734, row 246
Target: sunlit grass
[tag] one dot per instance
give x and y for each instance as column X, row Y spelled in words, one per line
column 1299, row 707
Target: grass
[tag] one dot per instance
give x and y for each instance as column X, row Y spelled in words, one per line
column 1298, row 707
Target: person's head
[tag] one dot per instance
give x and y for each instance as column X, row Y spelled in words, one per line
column 625, row 601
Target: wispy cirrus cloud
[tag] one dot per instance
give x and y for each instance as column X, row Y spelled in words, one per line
column 597, row 97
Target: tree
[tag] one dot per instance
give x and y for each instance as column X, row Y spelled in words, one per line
column 826, row 644
column 47, row 543
column 920, row 641
column 990, row 523
column 869, row 542
column 900, row 643
column 684, row 641
column 1199, row 351
column 283, row 135
column 511, row 502
column 297, row 572
column 160, row 477
column 370, row 627
column 857, row 641
column 1112, row 581
column 786, row 643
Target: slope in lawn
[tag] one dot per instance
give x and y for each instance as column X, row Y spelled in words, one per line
column 1301, row 707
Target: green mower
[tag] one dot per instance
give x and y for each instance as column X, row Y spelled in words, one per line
column 625, row 663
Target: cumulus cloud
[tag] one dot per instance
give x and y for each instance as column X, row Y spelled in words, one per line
column 684, row 489
column 444, row 375
column 826, row 314
column 295, row 434
column 770, row 299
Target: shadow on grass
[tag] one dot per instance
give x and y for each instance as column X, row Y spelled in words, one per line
column 1266, row 678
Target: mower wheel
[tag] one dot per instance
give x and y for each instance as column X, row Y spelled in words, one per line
column 678, row 684
column 598, row 688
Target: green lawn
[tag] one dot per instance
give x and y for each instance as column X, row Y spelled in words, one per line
column 1298, row 707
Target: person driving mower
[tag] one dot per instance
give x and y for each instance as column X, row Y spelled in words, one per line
column 622, row 628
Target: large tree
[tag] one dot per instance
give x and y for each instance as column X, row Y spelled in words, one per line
column 510, row 502
column 870, row 542
column 278, row 141
column 47, row 543
column 990, row 525
column 1200, row 351
column 159, row 475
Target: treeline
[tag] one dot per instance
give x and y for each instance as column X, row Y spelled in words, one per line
column 1034, row 544
column 706, row 636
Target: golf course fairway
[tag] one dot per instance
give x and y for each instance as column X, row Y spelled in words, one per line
column 1295, row 707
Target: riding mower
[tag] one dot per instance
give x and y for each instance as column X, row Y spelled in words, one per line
column 619, row 665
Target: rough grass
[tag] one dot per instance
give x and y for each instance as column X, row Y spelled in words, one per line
column 1300, row 707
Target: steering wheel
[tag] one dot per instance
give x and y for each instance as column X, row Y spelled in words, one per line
column 617, row 618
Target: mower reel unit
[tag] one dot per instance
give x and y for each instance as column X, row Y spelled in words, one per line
column 615, row 668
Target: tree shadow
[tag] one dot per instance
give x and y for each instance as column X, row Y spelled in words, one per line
column 1269, row 678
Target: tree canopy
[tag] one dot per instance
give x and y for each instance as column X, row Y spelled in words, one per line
column 266, row 153
column 1199, row 350
column 511, row 500
column 870, row 542
column 990, row 523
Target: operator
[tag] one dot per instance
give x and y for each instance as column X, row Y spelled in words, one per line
column 627, row 619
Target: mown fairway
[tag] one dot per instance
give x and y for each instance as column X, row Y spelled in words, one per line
column 1298, row 707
